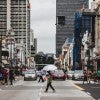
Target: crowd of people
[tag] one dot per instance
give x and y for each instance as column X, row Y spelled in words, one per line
column 91, row 76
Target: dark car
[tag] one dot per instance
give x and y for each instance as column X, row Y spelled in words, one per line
column 58, row 74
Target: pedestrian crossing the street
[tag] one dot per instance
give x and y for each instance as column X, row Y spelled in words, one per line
column 64, row 90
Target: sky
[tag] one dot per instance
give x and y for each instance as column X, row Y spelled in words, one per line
column 43, row 19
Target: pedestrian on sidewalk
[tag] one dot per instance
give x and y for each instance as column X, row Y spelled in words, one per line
column 90, row 74
column 49, row 82
column 1, row 77
column 85, row 76
column 11, row 76
column 5, row 75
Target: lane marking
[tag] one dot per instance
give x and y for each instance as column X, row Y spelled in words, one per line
column 20, row 82
column 40, row 93
column 6, row 86
column 78, row 87
column 88, row 93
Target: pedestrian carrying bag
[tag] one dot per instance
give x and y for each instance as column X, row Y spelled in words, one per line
column 44, row 77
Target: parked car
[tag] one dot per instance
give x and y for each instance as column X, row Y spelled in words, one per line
column 70, row 74
column 23, row 71
column 58, row 74
column 30, row 75
column 78, row 74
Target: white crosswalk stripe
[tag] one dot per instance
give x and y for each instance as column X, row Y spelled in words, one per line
column 20, row 82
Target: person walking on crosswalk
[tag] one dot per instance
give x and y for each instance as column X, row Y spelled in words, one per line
column 49, row 82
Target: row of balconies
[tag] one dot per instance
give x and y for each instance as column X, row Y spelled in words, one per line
column 20, row 5
column 19, row 16
column 20, row 13
column 2, row 2
column 20, row 21
column 23, row 27
column 18, row 10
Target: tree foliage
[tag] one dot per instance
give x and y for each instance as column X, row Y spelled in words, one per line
column 43, row 59
column 50, row 60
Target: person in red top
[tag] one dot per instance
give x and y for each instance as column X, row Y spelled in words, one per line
column 5, row 76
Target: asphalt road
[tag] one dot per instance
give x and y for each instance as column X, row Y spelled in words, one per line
column 32, row 90
column 93, row 88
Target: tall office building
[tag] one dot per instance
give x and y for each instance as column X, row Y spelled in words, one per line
column 15, row 14
column 65, row 10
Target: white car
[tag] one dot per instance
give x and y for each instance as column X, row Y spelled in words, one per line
column 70, row 74
column 78, row 74
column 30, row 75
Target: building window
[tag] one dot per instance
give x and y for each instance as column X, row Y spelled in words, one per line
column 61, row 20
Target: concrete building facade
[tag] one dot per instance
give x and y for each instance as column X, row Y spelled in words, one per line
column 97, row 36
column 15, row 14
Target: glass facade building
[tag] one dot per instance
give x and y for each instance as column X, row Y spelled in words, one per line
column 65, row 11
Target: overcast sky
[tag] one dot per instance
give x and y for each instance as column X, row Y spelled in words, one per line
column 43, row 19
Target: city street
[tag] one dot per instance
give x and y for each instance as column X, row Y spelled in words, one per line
column 47, row 40
column 32, row 90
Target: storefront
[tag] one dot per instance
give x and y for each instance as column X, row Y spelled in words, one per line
column 5, row 56
column 5, row 53
column 97, row 59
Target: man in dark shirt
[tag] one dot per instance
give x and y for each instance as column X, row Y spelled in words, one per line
column 49, row 82
column 11, row 76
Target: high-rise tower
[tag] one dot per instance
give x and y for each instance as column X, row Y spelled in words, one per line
column 15, row 14
column 65, row 10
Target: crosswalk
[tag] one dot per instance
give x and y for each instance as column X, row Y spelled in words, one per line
column 20, row 82
column 65, row 90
